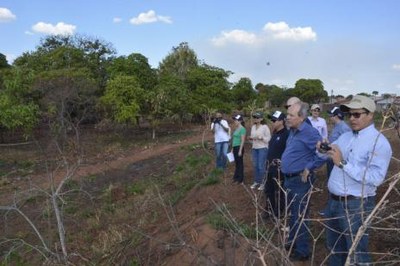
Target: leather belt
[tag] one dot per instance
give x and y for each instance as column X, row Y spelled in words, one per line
column 343, row 198
column 289, row 175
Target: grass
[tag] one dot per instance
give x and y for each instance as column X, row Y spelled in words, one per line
column 220, row 222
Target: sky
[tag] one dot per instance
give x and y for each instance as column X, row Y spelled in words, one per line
column 352, row 46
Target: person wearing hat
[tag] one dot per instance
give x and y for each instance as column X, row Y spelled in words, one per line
column 275, row 197
column 361, row 159
column 259, row 136
column 339, row 127
column 318, row 122
column 238, row 139
column 222, row 136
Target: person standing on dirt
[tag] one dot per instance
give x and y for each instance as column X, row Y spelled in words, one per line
column 339, row 127
column 361, row 159
column 259, row 136
column 238, row 139
column 299, row 160
column 318, row 122
column 222, row 136
column 275, row 197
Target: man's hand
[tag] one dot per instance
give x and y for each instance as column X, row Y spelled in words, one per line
column 305, row 175
column 335, row 154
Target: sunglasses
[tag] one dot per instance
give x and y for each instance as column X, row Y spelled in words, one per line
column 287, row 106
column 316, row 110
column 355, row 114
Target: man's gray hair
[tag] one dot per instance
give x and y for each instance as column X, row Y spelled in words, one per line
column 303, row 111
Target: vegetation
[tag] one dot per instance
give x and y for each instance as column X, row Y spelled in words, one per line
column 78, row 79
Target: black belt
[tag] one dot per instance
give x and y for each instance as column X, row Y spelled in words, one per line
column 288, row 175
column 343, row 198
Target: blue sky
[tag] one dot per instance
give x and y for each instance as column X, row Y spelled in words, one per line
column 351, row 45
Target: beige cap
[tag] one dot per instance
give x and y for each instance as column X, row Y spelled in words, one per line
column 315, row 106
column 359, row 102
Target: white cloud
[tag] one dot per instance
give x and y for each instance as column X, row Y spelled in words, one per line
column 275, row 31
column 235, row 36
column 398, row 86
column 396, row 66
column 6, row 15
column 59, row 29
column 29, row 32
column 149, row 17
column 117, row 20
column 282, row 31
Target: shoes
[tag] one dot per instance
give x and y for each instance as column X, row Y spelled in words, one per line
column 297, row 257
column 261, row 187
column 255, row 184
column 235, row 182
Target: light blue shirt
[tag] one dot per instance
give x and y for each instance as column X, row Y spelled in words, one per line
column 338, row 130
column 368, row 155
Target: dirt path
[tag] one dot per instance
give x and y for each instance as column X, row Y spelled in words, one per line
column 102, row 165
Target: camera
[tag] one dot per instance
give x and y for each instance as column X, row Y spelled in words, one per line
column 216, row 120
column 325, row 147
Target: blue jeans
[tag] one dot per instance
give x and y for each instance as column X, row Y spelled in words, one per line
column 259, row 157
column 344, row 220
column 221, row 149
column 298, row 204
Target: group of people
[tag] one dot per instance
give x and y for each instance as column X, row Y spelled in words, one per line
column 357, row 156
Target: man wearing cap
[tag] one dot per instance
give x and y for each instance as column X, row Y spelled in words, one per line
column 318, row 122
column 361, row 159
column 339, row 127
column 275, row 197
column 299, row 160
column 222, row 136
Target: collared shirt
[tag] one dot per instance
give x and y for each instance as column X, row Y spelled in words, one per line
column 260, row 135
column 368, row 155
column 338, row 130
column 220, row 135
column 277, row 145
column 319, row 124
column 300, row 152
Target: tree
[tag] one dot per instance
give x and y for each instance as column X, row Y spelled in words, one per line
column 242, row 93
column 375, row 93
column 123, row 98
column 3, row 61
column 310, row 90
column 179, row 62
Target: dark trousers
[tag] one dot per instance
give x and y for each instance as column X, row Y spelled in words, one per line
column 239, row 169
column 274, row 194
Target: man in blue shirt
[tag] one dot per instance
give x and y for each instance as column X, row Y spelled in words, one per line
column 299, row 160
column 336, row 117
column 361, row 159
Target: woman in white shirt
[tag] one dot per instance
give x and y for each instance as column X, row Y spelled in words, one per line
column 260, row 136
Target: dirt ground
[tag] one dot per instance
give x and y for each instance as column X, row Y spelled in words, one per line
column 179, row 234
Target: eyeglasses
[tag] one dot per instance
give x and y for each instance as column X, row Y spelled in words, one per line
column 316, row 110
column 355, row 114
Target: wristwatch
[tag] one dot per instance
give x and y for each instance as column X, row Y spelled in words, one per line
column 342, row 163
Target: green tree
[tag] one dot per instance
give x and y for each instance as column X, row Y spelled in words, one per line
column 242, row 93
column 3, row 61
column 123, row 98
column 209, row 89
column 179, row 62
column 310, row 90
